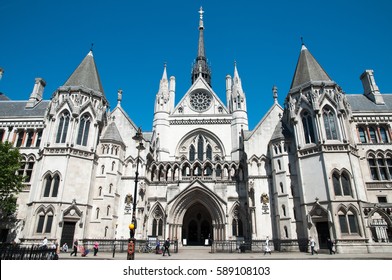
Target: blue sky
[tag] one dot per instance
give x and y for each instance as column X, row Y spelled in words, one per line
column 133, row 39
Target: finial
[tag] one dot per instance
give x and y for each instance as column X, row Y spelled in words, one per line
column 91, row 48
column 201, row 12
column 302, row 40
column 275, row 93
column 119, row 96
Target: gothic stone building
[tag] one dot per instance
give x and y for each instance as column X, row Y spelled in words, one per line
column 320, row 165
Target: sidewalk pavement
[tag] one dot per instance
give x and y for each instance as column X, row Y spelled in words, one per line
column 203, row 253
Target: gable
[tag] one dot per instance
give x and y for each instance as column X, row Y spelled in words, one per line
column 200, row 99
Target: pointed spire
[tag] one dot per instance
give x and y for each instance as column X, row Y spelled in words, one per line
column 200, row 67
column 86, row 75
column 238, row 94
column 163, row 95
column 308, row 70
column 164, row 83
column 164, row 75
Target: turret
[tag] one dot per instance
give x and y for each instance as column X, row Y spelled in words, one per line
column 164, row 105
column 238, row 109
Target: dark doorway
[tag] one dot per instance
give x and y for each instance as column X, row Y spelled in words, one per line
column 197, row 225
column 67, row 236
column 323, row 234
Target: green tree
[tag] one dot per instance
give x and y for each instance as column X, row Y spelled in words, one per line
column 10, row 181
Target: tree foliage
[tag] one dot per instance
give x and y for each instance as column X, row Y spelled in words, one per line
column 10, row 181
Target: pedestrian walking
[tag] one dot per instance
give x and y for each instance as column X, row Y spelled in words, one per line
column 267, row 248
column 166, row 246
column 75, row 248
column 330, row 246
column 312, row 244
column 96, row 246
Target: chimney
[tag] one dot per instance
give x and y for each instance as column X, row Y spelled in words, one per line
column 37, row 93
column 370, row 89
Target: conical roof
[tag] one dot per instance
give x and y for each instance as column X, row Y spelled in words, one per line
column 86, row 75
column 112, row 134
column 308, row 70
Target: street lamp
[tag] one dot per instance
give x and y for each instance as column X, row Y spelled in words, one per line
column 132, row 226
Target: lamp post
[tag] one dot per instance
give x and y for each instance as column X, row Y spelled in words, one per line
column 132, row 226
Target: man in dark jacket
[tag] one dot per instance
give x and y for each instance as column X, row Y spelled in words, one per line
column 166, row 246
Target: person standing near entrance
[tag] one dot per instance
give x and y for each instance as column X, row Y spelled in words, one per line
column 75, row 248
column 312, row 244
column 267, row 248
column 166, row 246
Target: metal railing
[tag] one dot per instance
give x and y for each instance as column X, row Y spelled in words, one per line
column 9, row 251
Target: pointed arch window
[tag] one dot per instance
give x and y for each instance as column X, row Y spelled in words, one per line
column 330, row 124
column 209, row 152
column 200, row 148
column 218, row 172
column 26, row 168
column 380, row 167
column 348, row 222
column 62, row 129
column 192, row 153
column 307, row 123
column 346, row 185
column 341, row 183
column 238, row 229
column 336, row 183
column 51, row 185
column 45, row 221
column 84, row 128
column 157, row 222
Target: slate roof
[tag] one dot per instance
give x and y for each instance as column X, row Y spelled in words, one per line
column 308, row 70
column 112, row 133
column 86, row 74
column 17, row 109
column 280, row 132
column 360, row 102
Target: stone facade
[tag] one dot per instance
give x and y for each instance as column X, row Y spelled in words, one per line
column 319, row 166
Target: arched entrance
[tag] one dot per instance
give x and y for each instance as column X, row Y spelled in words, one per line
column 197, row 225
column 196, row 213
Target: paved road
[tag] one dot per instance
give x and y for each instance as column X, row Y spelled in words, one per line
column 203, row 253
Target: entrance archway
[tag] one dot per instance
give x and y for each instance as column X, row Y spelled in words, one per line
column 197, row 225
